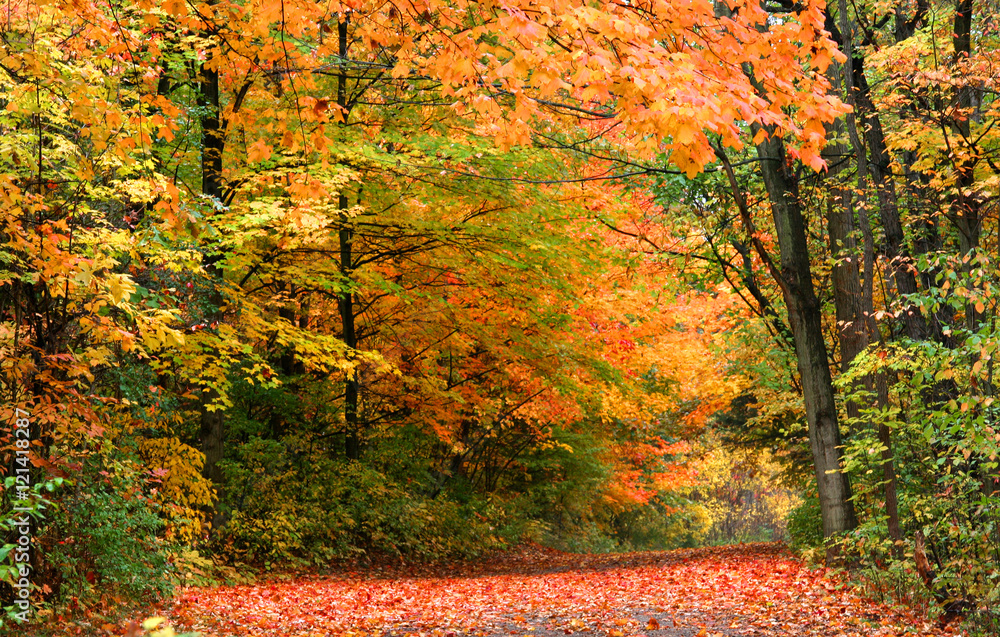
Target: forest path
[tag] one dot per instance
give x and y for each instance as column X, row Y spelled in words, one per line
column 745, row 590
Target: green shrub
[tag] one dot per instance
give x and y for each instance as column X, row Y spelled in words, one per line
column 805, row 524
column 13, row 510
column 102, row 543
column 664, row 523
column 292, row 510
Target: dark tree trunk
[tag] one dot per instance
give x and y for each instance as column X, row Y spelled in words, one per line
column 964, row 206
column 805, row 317
column 873, row 166
column 212, row 430
column 352, row 445
column 872, row 154
column 852, row 327
column 352, row 425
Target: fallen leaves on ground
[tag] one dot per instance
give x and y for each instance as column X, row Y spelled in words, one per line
column 731, row 591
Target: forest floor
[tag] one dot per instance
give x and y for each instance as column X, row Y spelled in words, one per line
column 745, row 590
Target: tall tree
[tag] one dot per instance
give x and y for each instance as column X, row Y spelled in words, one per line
column 805, row 318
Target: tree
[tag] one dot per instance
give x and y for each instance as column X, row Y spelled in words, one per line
column 326, row 63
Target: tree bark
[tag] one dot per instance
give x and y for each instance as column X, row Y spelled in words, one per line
column 212, row 416
column 852, row 328
column 873, row 164
column 964, row 205
column 352, row 426
column 872, row 153
column 805, row 317
column 352, row 444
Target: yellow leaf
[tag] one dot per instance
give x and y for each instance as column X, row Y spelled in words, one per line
column 153, row 622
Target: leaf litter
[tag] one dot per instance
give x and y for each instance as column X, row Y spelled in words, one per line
column 737, row 591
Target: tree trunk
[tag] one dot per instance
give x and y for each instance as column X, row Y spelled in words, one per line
column 858, row 94
column 352, row 445
column 212, row 430
column 964, row 204
column 852, row 328
column 352, row 427
column 872, row 154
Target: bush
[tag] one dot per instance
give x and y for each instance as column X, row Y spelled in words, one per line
column 102, row 544
column 666, row 522
column 13, row 511
column 297, row 510
column 805, row 524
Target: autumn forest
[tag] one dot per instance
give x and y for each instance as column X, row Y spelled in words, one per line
column 293, row 288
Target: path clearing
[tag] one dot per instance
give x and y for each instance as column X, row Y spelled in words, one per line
column 749, row 590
